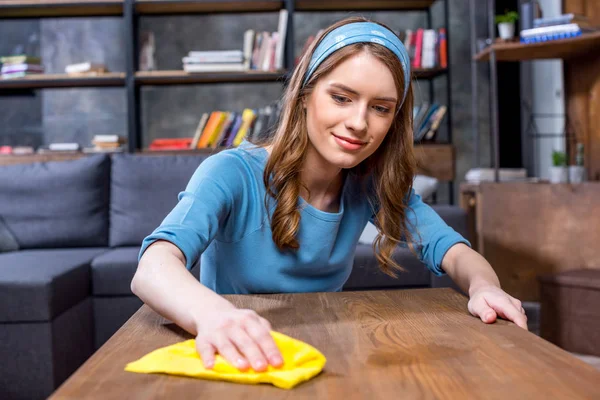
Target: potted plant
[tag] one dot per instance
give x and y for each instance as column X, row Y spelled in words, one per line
column 558, row 170
column 577, row 171
column 506, row 24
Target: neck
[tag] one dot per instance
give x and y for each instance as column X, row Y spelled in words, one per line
column 323, row 181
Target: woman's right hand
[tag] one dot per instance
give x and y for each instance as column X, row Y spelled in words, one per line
column 242, row 337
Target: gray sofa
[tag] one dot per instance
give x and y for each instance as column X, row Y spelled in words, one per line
column 69, row 238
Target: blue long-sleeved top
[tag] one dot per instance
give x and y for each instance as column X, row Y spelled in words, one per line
column 221, row 216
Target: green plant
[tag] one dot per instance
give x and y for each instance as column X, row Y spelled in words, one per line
column 509, row 16
column 559, row 158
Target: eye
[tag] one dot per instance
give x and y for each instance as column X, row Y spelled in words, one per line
column 381, row 109
column 339, row 99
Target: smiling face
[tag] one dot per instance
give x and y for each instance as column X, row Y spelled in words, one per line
column 350, row 111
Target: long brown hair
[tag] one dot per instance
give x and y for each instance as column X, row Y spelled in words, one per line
column 391, row 167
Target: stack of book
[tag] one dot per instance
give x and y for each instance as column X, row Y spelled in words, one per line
column 66, row 147
column 426, row 121
column 214, row 61
column 86, row 68
column 19, row 66
column 106, row 144
column 219, row 129
column 262, row 51
column 427, row 48
column 555, row 28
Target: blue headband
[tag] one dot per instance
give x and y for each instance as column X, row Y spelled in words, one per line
column 360, row 32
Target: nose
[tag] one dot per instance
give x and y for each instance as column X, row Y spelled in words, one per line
column 357, row 120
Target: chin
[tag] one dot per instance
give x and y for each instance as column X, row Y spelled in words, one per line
column 345, row 158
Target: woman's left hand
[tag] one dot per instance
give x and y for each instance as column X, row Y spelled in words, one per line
column 490, row 302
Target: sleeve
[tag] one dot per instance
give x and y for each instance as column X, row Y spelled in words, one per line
column 432, row 237
column 201, row 209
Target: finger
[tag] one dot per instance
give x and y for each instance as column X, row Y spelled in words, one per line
column 206, row 352
column 508, row 311
column 518, row 305
column 265, row 323
column 228, row 350
column 248, row 347
column 262, row 336
column 482, row 310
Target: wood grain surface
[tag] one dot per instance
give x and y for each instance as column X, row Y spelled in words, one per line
column 379, row 344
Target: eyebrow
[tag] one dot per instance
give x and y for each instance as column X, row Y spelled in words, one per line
column 347, row 89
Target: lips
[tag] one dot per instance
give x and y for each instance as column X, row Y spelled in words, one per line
column 349, row 140
column 348, row 144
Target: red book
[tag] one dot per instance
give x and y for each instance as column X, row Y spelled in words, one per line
column 443, row 48
column 418, row 49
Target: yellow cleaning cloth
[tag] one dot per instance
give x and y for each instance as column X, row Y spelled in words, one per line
column 301, row 362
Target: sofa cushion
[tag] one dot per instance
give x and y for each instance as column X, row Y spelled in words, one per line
column 366, row 273
column 113, row 271
column 38, row 285
column 144, row 189
column 57, row 204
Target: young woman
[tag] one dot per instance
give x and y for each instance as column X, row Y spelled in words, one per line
column 286, row 215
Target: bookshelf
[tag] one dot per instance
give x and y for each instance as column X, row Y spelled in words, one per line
column 182, row 77
column 547, row 220
column 170, row 7
column 581, row 57
column 60, row 8
column 45, row 81
column 435, row 159
column 364, row 5
column 565, row 49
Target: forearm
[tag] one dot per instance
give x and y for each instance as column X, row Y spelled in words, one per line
column 163, row 283
column 468, row 269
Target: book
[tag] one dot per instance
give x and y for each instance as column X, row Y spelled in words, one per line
column 248, row 116
column 436, row 119
column 85, row 67
column 63, row 146
column 20, row 59
column 443, row 48
column 214, row 122
column 488, row 174
column 12, row 68
column 216, row 67
column 248, row 43
column 199, row 129
column 281, row 36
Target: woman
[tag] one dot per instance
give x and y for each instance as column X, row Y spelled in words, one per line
column 285, row 215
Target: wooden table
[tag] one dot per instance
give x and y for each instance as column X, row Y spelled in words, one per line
column 379, row 344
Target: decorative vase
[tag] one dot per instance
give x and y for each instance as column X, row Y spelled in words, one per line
column 558, row 174
column 576, row 174
column 506, row 30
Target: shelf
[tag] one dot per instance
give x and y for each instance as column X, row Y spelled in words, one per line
column 182, row 77
column 10, row 159
column 429, row 73
column 436, row 160
column 42, row 81
column 59, row 8
column 588, row 43
column 362, row 5
column 165, row 7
